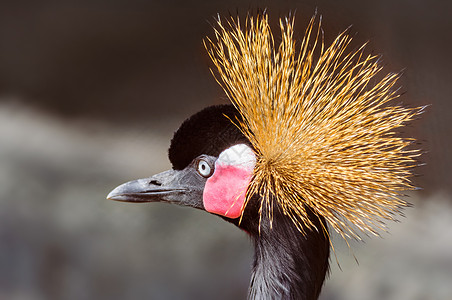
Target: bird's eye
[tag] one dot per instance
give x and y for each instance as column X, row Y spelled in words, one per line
column 204, row 168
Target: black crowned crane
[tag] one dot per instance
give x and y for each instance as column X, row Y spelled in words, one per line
column 308, row 143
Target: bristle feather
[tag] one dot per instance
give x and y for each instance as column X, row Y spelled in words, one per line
column 323, row 127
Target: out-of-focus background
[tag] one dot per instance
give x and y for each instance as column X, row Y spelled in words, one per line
column 90, row 95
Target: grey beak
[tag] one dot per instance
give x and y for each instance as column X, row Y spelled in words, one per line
column 152, row 189
column 172, row 186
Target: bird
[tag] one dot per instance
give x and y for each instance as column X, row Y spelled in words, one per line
column 307, row 146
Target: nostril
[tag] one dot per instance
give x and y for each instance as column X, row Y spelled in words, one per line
column 155, row 182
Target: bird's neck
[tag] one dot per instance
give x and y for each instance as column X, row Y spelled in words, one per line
column 288, row 264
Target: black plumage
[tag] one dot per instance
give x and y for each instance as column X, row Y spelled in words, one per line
column 209, row 132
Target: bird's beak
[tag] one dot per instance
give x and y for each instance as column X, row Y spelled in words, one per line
column 170, row 186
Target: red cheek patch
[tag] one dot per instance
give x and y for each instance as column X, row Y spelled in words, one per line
column 225, row 191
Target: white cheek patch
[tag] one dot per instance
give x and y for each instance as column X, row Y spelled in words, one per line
column 225, row 191
column 240, row 155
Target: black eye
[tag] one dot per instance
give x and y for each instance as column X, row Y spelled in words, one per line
column 204, row 168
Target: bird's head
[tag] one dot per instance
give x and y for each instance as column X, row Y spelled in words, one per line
column 212, row 162
column 305, row 134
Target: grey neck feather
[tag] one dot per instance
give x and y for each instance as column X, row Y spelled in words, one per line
column 288, row 264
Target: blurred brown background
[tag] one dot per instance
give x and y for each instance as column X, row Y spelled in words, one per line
column 90, row 94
